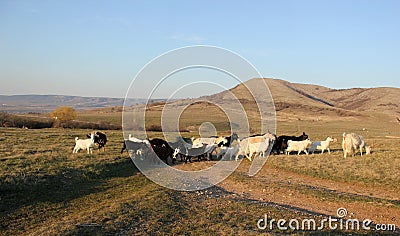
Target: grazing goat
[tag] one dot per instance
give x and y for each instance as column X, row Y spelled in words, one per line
column 84, row 144
column 136, row 149
column 282, row 142
column 321, row 145
column 99, row 138
column 352, row 142
column 299, row 146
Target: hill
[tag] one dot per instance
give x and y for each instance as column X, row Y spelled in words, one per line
column 382, row 99
column 306, row 101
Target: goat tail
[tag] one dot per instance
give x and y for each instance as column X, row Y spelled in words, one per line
column 76, row 139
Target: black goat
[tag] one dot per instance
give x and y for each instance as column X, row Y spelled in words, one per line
column 162, row 149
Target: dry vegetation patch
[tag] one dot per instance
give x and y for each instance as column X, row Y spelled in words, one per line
column 45, row 189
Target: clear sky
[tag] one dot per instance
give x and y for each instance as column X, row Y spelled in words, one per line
column 95, row 48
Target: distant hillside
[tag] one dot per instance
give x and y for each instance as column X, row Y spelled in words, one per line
column 365, row 100
column 297, row 101
column 358, row 99
column 47, row 103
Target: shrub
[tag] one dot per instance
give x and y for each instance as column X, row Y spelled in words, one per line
column 9, row 120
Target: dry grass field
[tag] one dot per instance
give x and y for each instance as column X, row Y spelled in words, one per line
column 46, row 190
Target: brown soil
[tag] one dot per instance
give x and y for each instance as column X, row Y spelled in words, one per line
column 311, row 195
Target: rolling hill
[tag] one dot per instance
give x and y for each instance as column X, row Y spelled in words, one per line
column 296, row 101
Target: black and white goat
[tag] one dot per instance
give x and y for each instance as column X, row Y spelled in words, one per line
column 99, row 138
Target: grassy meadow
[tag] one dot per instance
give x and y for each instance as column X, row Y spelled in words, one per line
column 47, row 190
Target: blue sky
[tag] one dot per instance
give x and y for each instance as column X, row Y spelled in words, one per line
column 95, row 48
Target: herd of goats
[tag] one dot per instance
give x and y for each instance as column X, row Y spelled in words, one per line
column 223, row 147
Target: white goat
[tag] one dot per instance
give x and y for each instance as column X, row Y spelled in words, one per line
column 299, row 146
column 198, row 142
column 321, row 145
column 137, row 140
column 245, row 144
column 352, row 142
column 243, row 149
column 84, row 144
column 259, row 148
